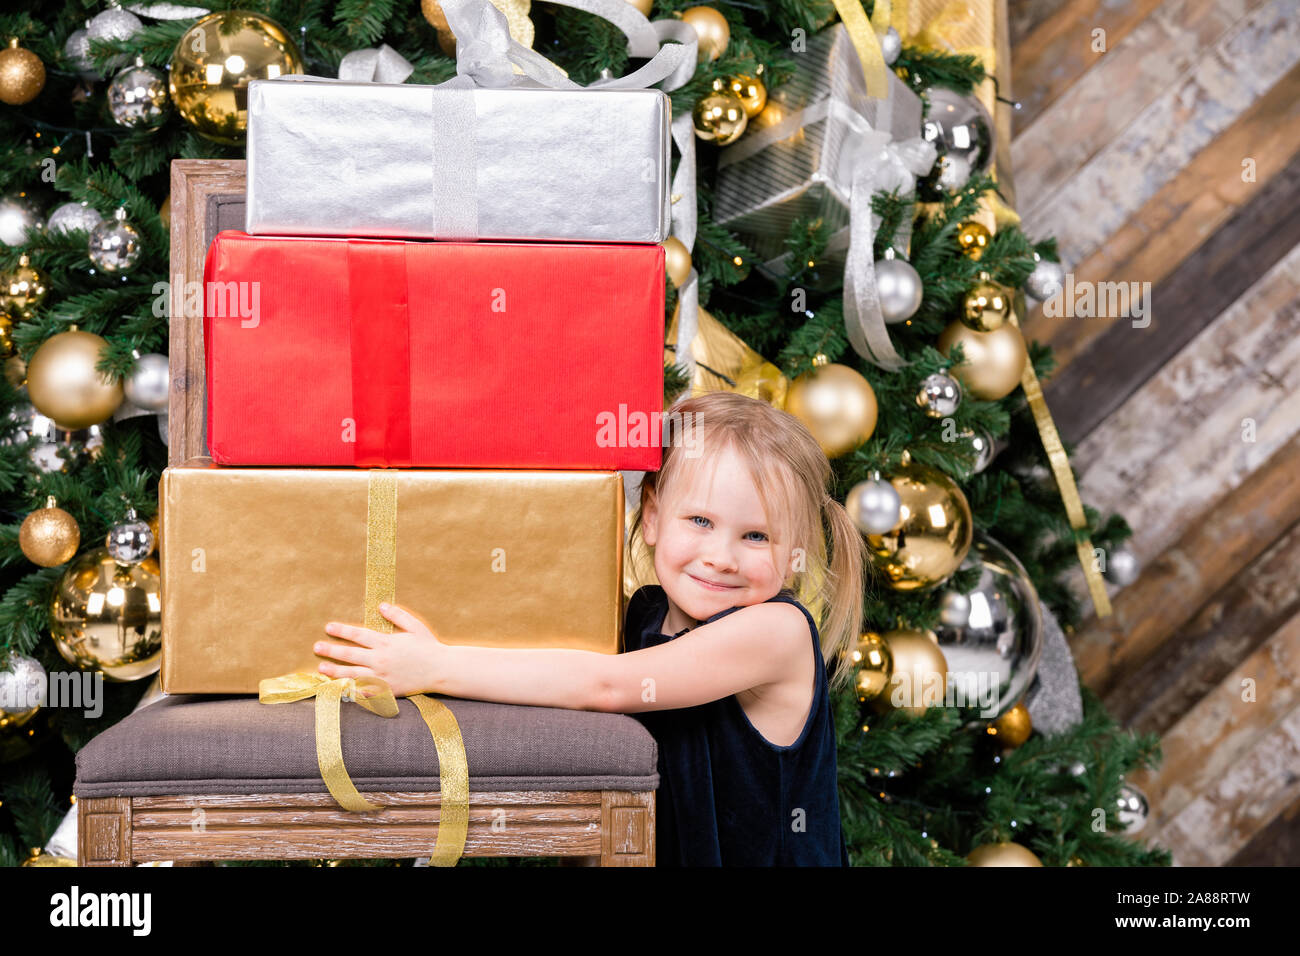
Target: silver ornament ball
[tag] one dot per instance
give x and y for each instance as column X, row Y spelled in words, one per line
column 147, row 385
column 899, row 288
column 77, row 50
column 137, row 97
column 74, row 216
column 874, row 506
column 114, row 24
column 994, row 648
column 982, row 444
column 954, row 608
column 115, row 244
column 22, row 689
column 18, row 217
column 1121, row 567
column 130, row 541
column 963, row 134
column 1078, row 768
column 1047, row 279
column 891, row 45
column 162, row 428
column 1132, row 808
column 939, row 395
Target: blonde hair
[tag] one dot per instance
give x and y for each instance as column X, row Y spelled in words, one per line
column 778, row 450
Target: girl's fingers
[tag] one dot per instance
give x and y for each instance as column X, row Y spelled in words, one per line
column 401, row 617
column 343, row 652
column 338, row 670
column 359, row 635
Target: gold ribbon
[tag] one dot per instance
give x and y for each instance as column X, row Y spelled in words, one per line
column 867, row 44
column 376, row 696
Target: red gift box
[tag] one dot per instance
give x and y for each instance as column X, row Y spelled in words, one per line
column 380, row 353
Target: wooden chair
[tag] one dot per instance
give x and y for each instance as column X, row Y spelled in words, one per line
column 194, row 778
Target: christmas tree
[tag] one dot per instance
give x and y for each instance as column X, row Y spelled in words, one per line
column 97, row 104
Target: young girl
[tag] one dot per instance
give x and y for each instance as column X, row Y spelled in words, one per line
column 723, row 663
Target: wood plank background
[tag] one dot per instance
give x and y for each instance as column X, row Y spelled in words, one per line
column 1159, row 141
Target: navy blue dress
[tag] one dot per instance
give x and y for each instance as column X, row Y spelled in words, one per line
column 727, row 795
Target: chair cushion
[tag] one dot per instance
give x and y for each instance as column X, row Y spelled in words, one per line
column 201, row 745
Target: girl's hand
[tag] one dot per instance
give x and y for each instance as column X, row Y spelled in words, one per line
column 407, row 659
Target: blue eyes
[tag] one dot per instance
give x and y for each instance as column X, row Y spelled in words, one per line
column 693, row 518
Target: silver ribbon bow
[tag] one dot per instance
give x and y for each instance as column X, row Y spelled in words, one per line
column 384, row 65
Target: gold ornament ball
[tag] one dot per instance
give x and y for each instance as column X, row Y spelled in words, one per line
column 642, row 6
column 1013, row 728
column 719, row 118
column 933, row 534
column 23, row 289
column 22, row 74
column 873, row 665
column 516, row 13
column 64, row 385
column 919, row 679
column 985, row 308
column 677, row 261
column 1002, row 854
column 47, row 859
column 712, row 29
column 106, row 617
column 49, row 536
column 748, row 89
column 165, row 213
column 973, row 238
column 15, row 370
column 836, row 404
column 994, row 361
column 6, row 336
column 213, row 63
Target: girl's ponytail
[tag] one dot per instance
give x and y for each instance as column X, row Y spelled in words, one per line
column 843, row 622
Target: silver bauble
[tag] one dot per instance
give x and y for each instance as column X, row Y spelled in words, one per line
column 954, row 608
column 1132, row 809
column 147, row 385
column 22, row 689
column 18, row 216
column 899, row 288
column 984, row 448
column 114, row 24
column 162, row 427
column 874, row 506
column 939, row 395
column 891, row 45
column 1047, row 279
column 1078, row 768
column 115, row 244
column 72, row 216
column 993, row 648
column 77, row 50
column 1121, row 567
column 963, row 133
column 130, row 541
column 137, row 97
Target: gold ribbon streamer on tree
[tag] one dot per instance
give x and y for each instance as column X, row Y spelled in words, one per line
column 865, row 41
column 376, row 696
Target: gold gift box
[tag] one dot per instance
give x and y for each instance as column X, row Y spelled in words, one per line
column 255, row 562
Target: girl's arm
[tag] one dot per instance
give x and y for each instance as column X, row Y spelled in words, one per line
column 753, row 646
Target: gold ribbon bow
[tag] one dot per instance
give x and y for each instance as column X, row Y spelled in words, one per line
column 724, row 363
column 377, row 697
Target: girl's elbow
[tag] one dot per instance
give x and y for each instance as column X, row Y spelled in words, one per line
column 606, row 697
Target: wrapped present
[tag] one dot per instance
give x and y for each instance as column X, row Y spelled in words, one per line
column 376, row 353
column 332, row 158
column 255, row 562
column 798, row 157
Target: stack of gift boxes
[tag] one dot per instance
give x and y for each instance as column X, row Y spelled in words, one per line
column 422, row 357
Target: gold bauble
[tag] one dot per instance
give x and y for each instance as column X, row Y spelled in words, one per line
column 63, row 384
column 642, row 6
column 973, row 238
column 677, row 261
column 873, row 665
column 49, row 536
column 719, row 118
column 213, row 63
column 15, row 370
column 156, row 530
column 165, row 213
column 48, row 859
column 933, row 534
column 517, row 22
column 836, row 404
column 6, row 336
column 22, row 74
column 106, row 617
column 712, row 29
column 985, row 308
column 1013, row 728
column 919, row 675
column 748, row 89
column 994, row 361
column 1002, row 854
column 23, row 289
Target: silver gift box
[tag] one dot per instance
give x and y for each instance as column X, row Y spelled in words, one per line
column 330, row 158
column 797, row 157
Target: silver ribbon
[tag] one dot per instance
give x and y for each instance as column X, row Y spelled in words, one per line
column 683, row 227
column 384, row 65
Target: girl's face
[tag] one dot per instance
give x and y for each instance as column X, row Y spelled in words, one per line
column 714, row 548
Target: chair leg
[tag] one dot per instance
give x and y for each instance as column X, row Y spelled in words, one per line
column 627, row 826
column 104, row 831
